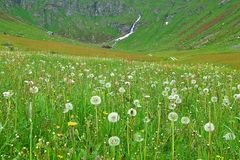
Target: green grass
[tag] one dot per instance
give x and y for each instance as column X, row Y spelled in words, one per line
column 160, row 88
column 11, row 26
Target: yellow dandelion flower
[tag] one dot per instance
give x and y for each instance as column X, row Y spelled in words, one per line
column 72, row 124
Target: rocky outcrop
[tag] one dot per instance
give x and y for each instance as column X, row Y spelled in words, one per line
column 86, row 8
column 66, row 16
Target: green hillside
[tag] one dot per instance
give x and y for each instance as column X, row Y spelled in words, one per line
column 14, row 27
column 165, row 25
column 205, row 24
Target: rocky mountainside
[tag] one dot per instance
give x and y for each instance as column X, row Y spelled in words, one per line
column 79, row 19
column 165, row 24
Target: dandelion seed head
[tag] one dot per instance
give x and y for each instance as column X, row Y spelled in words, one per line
column 121, row 90
column 132, row 112
column 138, row 137
column 114, row 141
column 173, row 116
column 229, row 136
column 95, row 100
column 185, row 120
column 7, row 94
column 209, row 127
column 113, row 117
column 33, row 89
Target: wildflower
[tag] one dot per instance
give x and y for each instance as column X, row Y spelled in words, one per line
column 178, row 100
column 238, row 86
column 146, row 96
column 172, row 106
column 214, row 99
column 68, row 107
column 209, row 127
column 130, row 77
column 132, row 112
column 29, row 82
column 127, row 83
column 7, row 94
column 229, row 136
column 34, row 89
column 146, row 120
column 114, row 141
column 138, row 137
column 121, row 90
column 164, row 93
column 236, row 96
column 72, row 124
column 136, row 102
column 173, row 116
column 95, row 100
column 193, row 81
column 113, row 117
column 108, row 85
column 185, row 120
column 226, row 101
column 205, row 90
column 112, row 74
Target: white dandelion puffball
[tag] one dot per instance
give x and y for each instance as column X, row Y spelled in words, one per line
column 229, row 136
column 146, row 120
column 236, row 96
column 114, row 141
column 205, row 90
column 173, row 116
column 68, row 107
column 7, row 94
column 108, row 85
column 132, row 112
column 138, row 137
column 34, row 89
column 238, row 86
column 172, row 106
column 214, row 99
column 136, row 102
column 95, row 100
column 121, row 90
column 185, row 120
column 113, row 117
column 209, row 127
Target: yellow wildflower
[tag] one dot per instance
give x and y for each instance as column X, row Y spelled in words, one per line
column 72, row 124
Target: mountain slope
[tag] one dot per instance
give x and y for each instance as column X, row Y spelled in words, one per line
column 165, row 24
column 192, row 25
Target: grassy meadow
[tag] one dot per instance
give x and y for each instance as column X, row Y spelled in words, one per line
column 64, row 107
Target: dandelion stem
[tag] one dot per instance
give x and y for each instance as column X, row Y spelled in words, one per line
column 31, row 130
column 128, row 145
column 158, row 130
column 209, row 135
column 145, row 142
column 96, row 122
column 172, row 126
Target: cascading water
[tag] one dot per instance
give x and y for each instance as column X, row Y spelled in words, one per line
column 131, row 31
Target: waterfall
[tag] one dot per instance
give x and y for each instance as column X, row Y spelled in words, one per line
column 131, row 31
